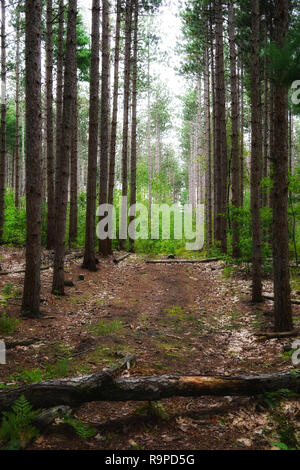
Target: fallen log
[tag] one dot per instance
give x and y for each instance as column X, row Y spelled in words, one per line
column 22, row 271
column 122, row 258
column 183, row 261
column 270, row 297
column 272, row 335
column 104, row 387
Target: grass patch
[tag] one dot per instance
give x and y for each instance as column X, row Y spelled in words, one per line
column 8, row 325
column 107, row 328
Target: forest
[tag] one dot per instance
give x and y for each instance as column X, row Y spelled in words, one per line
column 149, row 225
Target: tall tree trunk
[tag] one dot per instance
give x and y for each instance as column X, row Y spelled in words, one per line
column 114, row 123
column 149, row 135
column 256, row 155
column 65, row 149
column 33, row 27
column 208, row 173
column 221, row 150
column 236, row 252
column 17, row 155
column 59, row 94
column 73, row 223
column 3, row 119
column 89, row 261
column 49, row 117
column 214, row 129
column 134, row 117
column 128, row 27
column 242, row 158
column 105, row 117
column 282, row 293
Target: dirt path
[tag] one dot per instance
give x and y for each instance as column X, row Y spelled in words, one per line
column 180, row 319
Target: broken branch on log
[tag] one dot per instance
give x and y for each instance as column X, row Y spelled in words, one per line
column 103, row 387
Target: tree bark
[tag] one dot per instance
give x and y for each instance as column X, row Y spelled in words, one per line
column 65, row 150
column 33, row 27
column 89, row 261
column 282, row 291
column 103, row 387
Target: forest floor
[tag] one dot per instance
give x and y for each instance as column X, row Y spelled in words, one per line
column 183, row 319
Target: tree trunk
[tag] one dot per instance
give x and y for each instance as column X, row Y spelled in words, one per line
column 65, row 149
column 33, row 27
column 236, row 252
column 49, row 118
column 208, row 172
column 3, row 119
column 17, row 155
column 105, row 117
column 103, row 387
column 114, row 123
column 73, row 223
column 221, row 150
column 282, row 291
column 242, row 158
column 59, row 96
column 128, row 26
column 256, row 155
column 89, row 261
column 134, row 121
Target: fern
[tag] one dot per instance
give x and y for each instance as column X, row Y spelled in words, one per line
column 82, row 430
column 17, row 429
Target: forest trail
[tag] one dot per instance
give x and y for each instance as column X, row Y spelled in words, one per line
column 178, row 319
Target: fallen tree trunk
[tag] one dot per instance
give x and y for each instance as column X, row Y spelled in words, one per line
column 21, row 271
column 104, row 387
column 122, row 258
column 272, row 335
column 183, row 261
